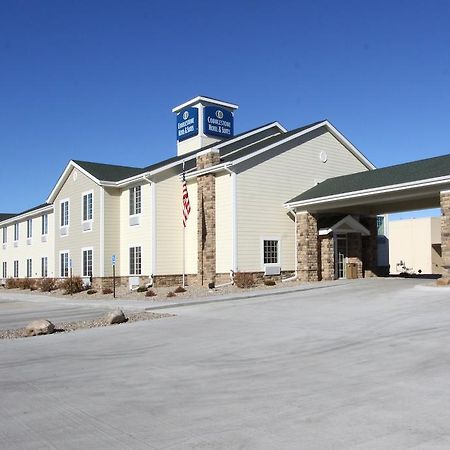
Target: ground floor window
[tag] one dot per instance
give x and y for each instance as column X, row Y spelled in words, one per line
column 44, row 267
column 29, row 268
column 271, row 251
column 135, row 261
column 4, row 270
column 16, row 269
column 64, row 264
column 87, row 263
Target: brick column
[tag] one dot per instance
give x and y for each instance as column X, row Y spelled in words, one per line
column 206, row 217
column 307, row 247
column 327, row 257
column 445, row 235
column 370, row 247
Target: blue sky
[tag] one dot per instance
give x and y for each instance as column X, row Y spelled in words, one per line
column 96, row 80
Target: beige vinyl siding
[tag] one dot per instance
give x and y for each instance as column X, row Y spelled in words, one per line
column 72, row 189
column 224, row 220
column 169, row 259
column 112, row 230
column 264, row 187
column 34, row 251
column 136, row 235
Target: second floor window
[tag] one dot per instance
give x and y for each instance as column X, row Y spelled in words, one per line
column 87, row 207
column 4, row 235
column 16, row 231
column 65, row 213
column 45, row 224
column 135, row 200
column 29, row 228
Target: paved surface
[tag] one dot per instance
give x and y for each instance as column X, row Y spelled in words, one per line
column 365, row 365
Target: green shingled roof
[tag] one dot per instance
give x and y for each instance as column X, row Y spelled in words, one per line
column 5, row 216
column 108, row 172
column 387, row 176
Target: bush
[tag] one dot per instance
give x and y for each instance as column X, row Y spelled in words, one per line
column 180, row 290
column 107, row 291
column 141, row 289
column 47, row 284
column 244, row 280
column 269, row 282
column 91, row 291
column 150, row 293
column 12, row 283
column 72, row 285
column 27, row 283
column 171, row 294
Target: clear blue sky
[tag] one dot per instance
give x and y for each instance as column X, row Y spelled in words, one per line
column 96, row 80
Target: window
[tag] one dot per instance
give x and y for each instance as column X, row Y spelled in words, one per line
column 64, row 264
column 65, row 213
column 87, row 263
column 5, row 235
column 270, row 251
column 87, row 207
column 135, row 261
column 16, row 231
column 44, row 224
column 4, row 270
column 29, row 228
column 16, row 269
column 29, row 268
column 135, row 200
column 44, row 267
column 380, row 225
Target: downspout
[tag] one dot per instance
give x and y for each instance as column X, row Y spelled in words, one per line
column 293, row 278
column 153, row 225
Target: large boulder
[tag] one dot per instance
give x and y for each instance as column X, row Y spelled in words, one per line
column 40, row 326
column 116, row 316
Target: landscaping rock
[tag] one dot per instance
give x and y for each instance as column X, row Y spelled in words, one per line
column 443, row 282
column 116, row 316
column 37, row 327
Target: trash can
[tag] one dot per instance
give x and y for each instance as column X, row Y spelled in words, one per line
column 352, row 271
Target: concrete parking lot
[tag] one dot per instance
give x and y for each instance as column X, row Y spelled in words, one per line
column 362, row 365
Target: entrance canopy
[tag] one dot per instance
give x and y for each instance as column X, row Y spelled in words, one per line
column 348, row 224
column 404, row 187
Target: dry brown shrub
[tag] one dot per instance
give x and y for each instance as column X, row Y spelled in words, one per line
column 47, row 284
column 244, row 280
column 72, row 285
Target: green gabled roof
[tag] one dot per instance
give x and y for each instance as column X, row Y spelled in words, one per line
column 424, row 169
column 6, row 216
column 108, row 172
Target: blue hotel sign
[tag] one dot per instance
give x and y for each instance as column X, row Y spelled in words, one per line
column 187, row 123
column 217, row 121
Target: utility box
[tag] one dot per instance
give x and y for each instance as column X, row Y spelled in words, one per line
column 352, row 271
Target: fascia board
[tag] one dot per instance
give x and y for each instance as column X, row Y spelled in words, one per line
column 21, row 217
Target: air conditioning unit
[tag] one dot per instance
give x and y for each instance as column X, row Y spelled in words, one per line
column 87, row 226
column 133, row 283
column 16, row 243
column 29, row 241
column 44, row 238
column 64, row 231
column 134, row 220
column 272, row 270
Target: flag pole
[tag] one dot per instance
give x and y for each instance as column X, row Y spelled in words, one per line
column 184, row 245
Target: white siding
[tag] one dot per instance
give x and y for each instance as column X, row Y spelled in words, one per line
column 263, row 188
column 112, row 236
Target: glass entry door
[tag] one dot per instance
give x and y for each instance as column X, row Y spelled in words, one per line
column 341, row 256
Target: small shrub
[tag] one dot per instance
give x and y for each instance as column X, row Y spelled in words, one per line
column 47, row 284
column 12, row 283
column 107, row 291
column 150, row 293
column 91, row 291
column 141, row 289
column 171, row 294
column 244, row 280
column 27, row 283
column 34, row 287
column 269, row 282
column 180, row 290
column 72, row 285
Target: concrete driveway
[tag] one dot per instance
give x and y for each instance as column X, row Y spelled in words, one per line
column 363, row 365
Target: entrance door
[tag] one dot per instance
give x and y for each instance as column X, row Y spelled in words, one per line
column 341, row 256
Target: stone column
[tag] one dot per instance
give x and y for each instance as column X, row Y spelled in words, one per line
column 327, row 257
column 307, row 247
column 445, row 235
column 370, row 247
column 206, row 217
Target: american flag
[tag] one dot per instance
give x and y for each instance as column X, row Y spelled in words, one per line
column 186, row 204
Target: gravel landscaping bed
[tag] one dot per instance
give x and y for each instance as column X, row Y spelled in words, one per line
column 65, row 327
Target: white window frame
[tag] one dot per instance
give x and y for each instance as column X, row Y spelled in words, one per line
column 4, row 235
column 44, row 225
column 61, row 224
column 271, row 238
column 29, row 268
column 83, row 195
column 16, row 268
column 132, row 192
column 16, row 232
column 83, row 273
column 134, row 270
column 44, row 266
column 5, row 269
column 61, row 274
